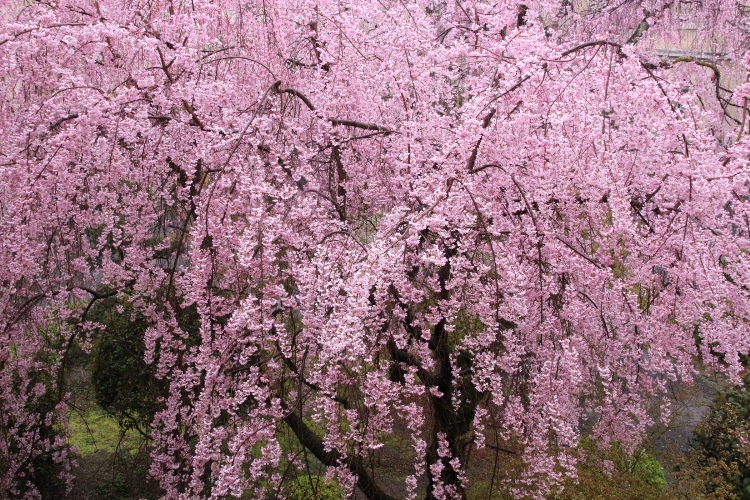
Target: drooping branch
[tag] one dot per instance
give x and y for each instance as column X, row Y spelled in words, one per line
column 276, row 87
column 594, row 43
column 332, row 458
column 37, row 28
column 315, row 387
column 723, row 101
column 96, row 295
column 23, row 309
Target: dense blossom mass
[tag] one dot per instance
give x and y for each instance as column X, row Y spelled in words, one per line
column 465, row 223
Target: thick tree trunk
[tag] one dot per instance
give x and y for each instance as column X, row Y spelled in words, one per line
column 450, row 421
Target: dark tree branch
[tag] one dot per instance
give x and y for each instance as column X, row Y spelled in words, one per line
column 578, row 252
column 723, row 102
column 97, row 294
column 315, row 387
column 194, row 120
column 404, row 356
column 595, row 43
column 25, row 307
column 332, row 458
column 276, row 87
column 360, row 125
column 59, row 122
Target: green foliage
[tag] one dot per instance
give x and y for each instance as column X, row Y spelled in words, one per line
column 650, row 471
column 638, row 476
column 116, row 395
column 124, row 385
column 723, row 438
column 112, row 489
column 96, row 432
column 113, row 460
column 305, row 487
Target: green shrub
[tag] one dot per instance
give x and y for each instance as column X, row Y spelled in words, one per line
column 637, row 476
column 723, row 440
column 124, row 385
column 305, row 487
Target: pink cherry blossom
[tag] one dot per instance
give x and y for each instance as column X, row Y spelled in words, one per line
column 464, row 224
